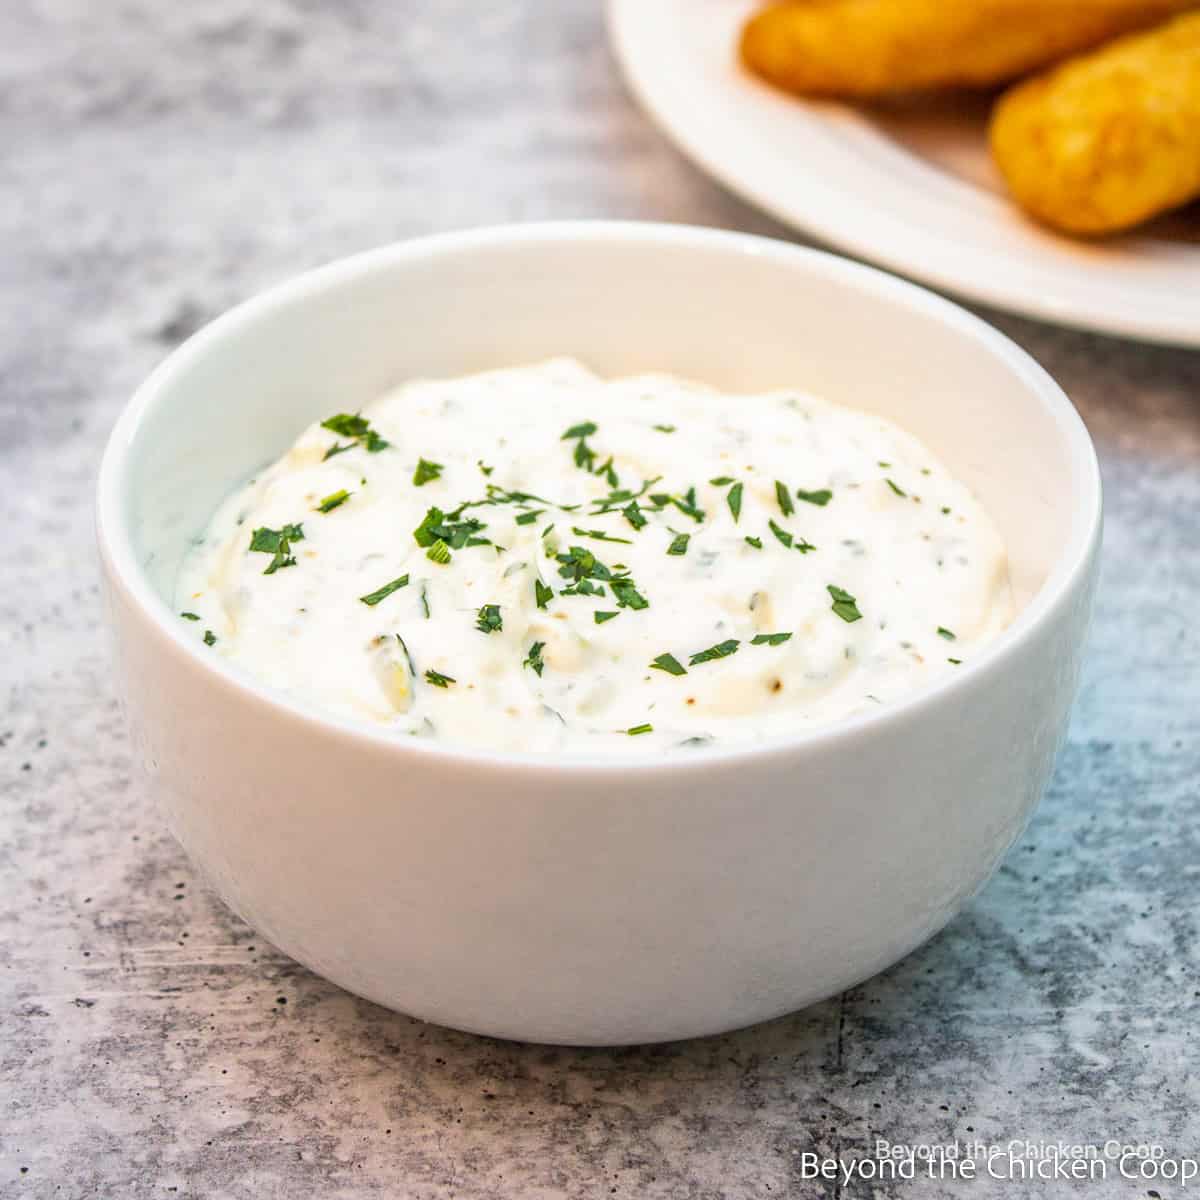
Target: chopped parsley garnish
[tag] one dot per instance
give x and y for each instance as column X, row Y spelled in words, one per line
column 633, row 514
column 785, row 500
column 439, row 553
column 844, row 604
column 668, row 663
column 734, row 500
column 277, row 542
column 820, row 498
column 721, row 480
column 489, row 619
column 355, row 427
column 426, row 471
column 210, row 638
column 438, row 679
column 528, row 518
column 781, row 534
column 956, row 661
column 373, row 598
column 602, row 616
column 579, row 563
column 607, row 473
column 756, row 542
column 720, row 650
column 769, row 639
column 542, row 594
column 446, row 527
column 484, row 467
column 584, row 429
column 333, row 500
column 627, row 596
column 895, row 487
column 534, row 661
column 680, row 544
column 945, row 633
column 665, row 428
column 685, row 503
column 636, row 729
column 789, row 540
column 618, row 496
column 599, row 535
column 190, row 616
column 884, row 465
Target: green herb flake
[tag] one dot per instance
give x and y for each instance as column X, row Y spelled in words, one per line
column 449, row 528
column 665, row 428
column 190, row 616
column 542, row 594
column 720, row 650
column 895, row 487
column 356, row 427
column 373, row 598
column 734, row 500
column 601, row 616
column 584, row 429
column 636, row 729
column 844, row 604
column 721, row 480
column 534, row 660
column 680, row 544
column 784, row 499
column 483, row 466
column 820, row 498
column 668, row 663
column 599, row 535
column 528, row 518
column 756, row 542
column 333, row 500
column 437, row 679
column 956, row 661
column 627, row 596
column 210, row 638
column 489, row 619
column 633, row 514
column 277, row 542
column 943, row 632
column 426, row 472
column 769, row 639
column 781, row 534
column 438, row 553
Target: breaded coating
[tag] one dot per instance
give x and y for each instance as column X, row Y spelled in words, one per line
column 872, row 47
column 1106, row 140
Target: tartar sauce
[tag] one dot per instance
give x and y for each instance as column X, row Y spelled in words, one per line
column 538, row 559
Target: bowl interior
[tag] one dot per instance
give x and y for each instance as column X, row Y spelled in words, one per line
column 737, row 312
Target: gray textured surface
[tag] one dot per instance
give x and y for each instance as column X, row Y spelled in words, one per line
column 160, row 161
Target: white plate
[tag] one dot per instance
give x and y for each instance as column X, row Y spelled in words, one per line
column 909, row 188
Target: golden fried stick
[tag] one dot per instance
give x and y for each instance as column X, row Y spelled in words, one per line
column 1108, row 139
column 872, row 47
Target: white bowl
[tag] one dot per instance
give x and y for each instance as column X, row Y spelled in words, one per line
column 599, row 901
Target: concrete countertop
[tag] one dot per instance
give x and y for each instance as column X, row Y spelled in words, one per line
column 159, row 162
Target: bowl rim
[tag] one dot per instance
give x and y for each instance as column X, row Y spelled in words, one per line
column 1072, row 562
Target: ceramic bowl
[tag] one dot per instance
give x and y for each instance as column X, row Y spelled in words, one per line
column 598, row 901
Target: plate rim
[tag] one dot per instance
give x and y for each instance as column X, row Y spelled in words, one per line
column 627, row 19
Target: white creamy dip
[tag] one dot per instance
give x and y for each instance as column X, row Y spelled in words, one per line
column 537, row 559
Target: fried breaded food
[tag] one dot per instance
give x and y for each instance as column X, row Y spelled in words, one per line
column 872, row 47
column 1106, row 140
